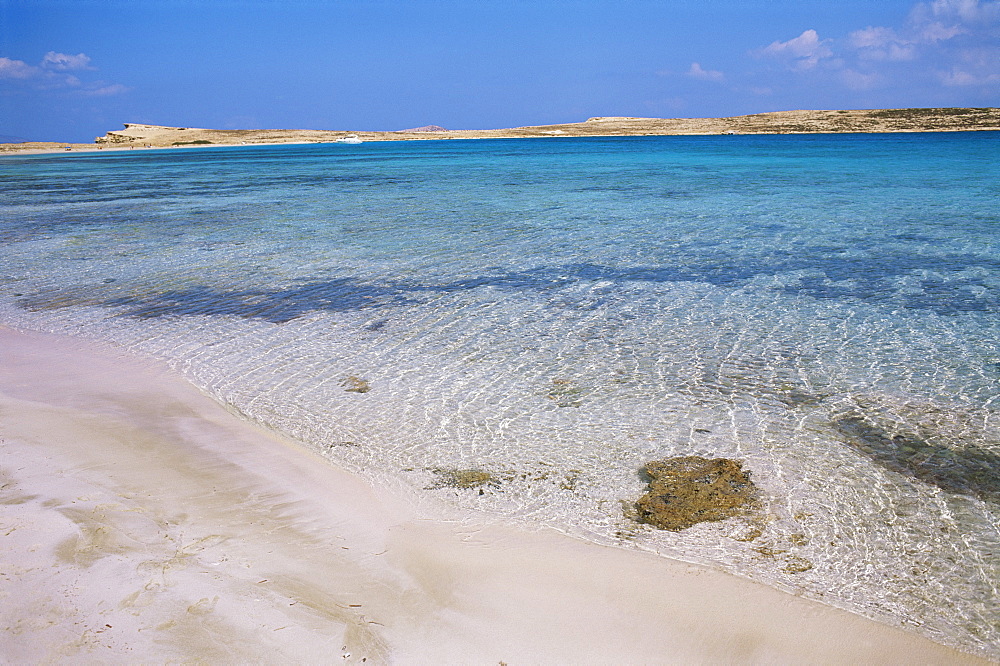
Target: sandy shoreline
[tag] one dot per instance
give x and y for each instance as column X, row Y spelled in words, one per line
column 145, row 136
column 141, row 521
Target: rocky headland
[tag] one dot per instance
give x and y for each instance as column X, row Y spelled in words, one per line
column 136, row 135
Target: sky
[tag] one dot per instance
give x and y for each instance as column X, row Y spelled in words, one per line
column 71, row 70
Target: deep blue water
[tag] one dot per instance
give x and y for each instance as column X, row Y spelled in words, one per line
column 558, row 312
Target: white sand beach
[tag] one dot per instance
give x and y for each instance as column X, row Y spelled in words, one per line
column 143, row 522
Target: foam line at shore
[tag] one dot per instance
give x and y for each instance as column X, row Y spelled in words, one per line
column 142, row 521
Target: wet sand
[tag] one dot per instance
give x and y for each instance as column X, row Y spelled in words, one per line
column 143, row 522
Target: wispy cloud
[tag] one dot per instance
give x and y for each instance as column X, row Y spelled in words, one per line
column 53, row 73
column 879, row 43
column 802, row 52
column 960, row 39
column 944, row 19
column 17, row 69
column 697, row 72
column 950, row 43
column 62, row 62
column 105, row 90
column 856, row 80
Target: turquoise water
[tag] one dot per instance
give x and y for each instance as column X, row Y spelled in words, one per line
column 559, row 312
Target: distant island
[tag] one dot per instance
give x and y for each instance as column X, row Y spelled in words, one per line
column 136, row 135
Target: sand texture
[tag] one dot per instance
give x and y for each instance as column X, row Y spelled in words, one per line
column 136, row 135
column 142, row 522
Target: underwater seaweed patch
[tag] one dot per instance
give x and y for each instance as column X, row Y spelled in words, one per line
column 965, row 469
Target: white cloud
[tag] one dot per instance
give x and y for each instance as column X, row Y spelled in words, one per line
column 696, row 72
column 964, row 11
column 897, row 52
column 942, row 20
column 959, row 40
column 871, row 37
column 941, row 45
column 804, row 51
column 936, row 31
column 106, row 91
column 57, row 71
column 982, row 57
column 877, row 43
column 958, row 77
column 16, row 69
column 856, row 80
column 62, row 62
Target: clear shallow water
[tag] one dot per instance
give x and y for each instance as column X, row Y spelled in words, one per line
column 559, row 312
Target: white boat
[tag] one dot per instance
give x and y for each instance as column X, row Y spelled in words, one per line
column 350, row 138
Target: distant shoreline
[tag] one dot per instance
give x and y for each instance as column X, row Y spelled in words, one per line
column 873, row 121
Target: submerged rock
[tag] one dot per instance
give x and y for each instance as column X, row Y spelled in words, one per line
column 565, row 393
column 795, row 565
column 463, row 478
column 689, row 490
column 354, row 384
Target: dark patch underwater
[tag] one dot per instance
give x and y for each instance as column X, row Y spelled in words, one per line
column 965, row 470
column 860, row 279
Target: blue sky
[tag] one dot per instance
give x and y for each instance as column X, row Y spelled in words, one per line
column 71, row 70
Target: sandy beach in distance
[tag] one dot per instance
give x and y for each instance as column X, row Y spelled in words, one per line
column 143, row 522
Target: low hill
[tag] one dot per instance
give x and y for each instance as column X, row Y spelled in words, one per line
column 136, row 135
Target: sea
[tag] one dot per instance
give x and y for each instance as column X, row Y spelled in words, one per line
column 517, row 326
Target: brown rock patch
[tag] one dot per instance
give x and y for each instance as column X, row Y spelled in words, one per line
column 689, row 490
column 354, row 384
column 464, row 478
